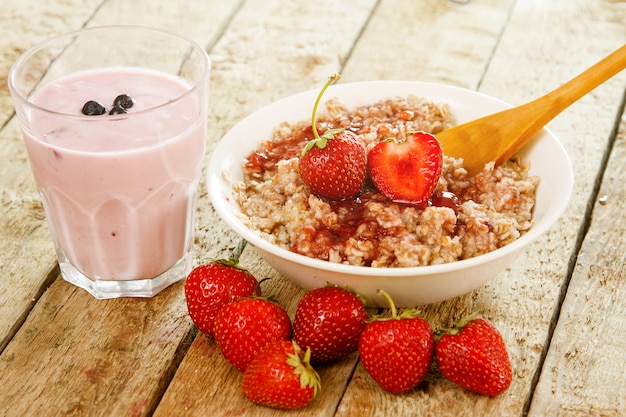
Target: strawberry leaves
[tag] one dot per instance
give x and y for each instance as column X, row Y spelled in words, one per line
column 397, row 351
column 322, row 140
column 281, row 376
column 333, row 165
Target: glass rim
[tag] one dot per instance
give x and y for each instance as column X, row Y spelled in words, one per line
column 17, row 95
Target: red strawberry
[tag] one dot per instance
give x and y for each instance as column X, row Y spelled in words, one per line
column 333, row 165
column 210, row 287
column 406, row 172
column 243, row 327
column 281, row 376
column 397, row 351
column 329, row 321
column 474, row 356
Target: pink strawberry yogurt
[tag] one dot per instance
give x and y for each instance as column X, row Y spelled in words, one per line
column 119, row 190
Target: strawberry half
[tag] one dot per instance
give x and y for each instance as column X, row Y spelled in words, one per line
column 473, row 355
column 329, row 321
column 243, row 327
column 406, row 172
column 333, row 165
column 211, row 286
column 281, row 376
column 397, row 351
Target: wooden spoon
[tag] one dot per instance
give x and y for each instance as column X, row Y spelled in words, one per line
column 499, row 136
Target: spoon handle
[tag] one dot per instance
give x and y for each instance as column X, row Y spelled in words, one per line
column 553, row 103
column 499, row 136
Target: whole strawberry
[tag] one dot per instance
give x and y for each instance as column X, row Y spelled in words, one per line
column 211, row 286
column 333, row 165
column 397, row 351
column 406, row 172
column 474, row 356
column 281, row 376
column 329, row 321
column 243, row 327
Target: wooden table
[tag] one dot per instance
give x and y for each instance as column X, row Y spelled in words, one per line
column 561, row 306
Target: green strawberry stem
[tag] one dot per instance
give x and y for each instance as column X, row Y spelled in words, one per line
column 458, row 326
column 233, row 262
column 351, row 291
column 302, row 367
column 407, row 313
column 330, row 81
column 320, row 141
column 392, row 305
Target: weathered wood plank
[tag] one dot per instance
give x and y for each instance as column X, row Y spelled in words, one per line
column 265, row 54
column 65, row 354
column 562, row 51
column 80, row 356
column 446, row 42
column 27, row 22
column 75, row 355
column 27, row 255
column 522, row 300
column 584, row 372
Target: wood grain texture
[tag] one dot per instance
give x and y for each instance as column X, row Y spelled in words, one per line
column 528, row 293
column 27, row 254
column 557, row 49
column 64, row 353
column 585, row 372
column 27, row 22
column 435, row 41
column 76, row 355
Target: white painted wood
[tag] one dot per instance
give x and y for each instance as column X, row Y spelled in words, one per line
column 64, row 353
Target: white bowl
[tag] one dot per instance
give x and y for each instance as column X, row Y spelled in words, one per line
column 407, row 286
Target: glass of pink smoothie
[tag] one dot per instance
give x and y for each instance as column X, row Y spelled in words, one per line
column 118, row 188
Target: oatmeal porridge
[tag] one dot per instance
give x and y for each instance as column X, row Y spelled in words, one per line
column 465, row 217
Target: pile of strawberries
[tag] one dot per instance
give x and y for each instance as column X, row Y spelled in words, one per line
column 277, row 356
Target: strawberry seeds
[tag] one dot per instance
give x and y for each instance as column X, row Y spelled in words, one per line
column 413, row 207
column 277, row 358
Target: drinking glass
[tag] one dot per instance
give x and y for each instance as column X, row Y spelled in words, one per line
column 114, row 123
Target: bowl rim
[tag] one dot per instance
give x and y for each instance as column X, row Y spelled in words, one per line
column 221, row 204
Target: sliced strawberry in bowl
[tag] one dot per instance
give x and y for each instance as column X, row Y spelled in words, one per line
column 406, row 171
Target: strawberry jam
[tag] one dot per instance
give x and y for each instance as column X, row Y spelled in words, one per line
column 291, row 147
column 353, row 221
column 464, row 217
